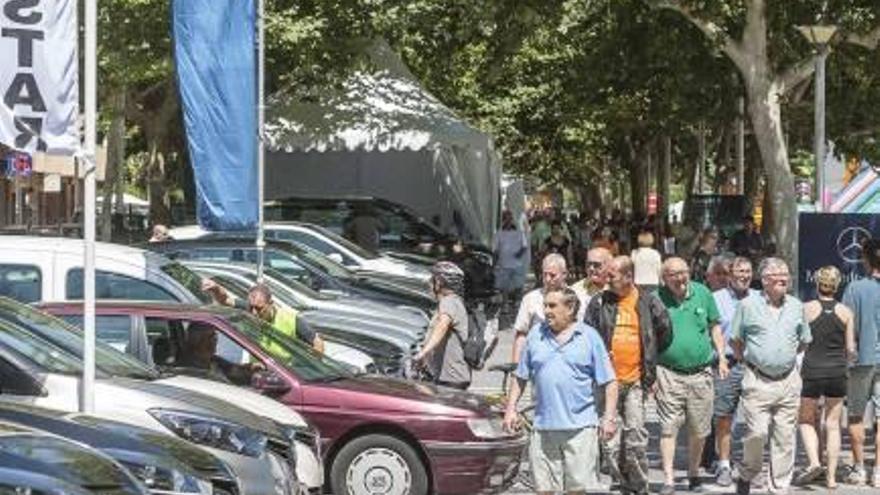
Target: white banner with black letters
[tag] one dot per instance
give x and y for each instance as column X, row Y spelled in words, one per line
column 39, row 94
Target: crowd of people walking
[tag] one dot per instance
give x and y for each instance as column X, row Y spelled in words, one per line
column 712, row 337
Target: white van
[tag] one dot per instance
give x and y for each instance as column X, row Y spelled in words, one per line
column 50, row 269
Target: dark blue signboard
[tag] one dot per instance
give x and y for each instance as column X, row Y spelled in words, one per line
column 832, row 239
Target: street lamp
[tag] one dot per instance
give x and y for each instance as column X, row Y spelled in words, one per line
column 819, row 37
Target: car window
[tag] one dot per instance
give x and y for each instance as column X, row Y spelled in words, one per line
column 21, row 282
column 315, row 243
column 40, row 352
column 115, row 286
column 188, row 279
column 113, row 330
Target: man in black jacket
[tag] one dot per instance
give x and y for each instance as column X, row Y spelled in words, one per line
column 635, row 327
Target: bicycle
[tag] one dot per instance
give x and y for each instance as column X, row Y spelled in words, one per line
column 526, row 412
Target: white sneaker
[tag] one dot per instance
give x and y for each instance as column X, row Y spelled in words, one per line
column 875, row 479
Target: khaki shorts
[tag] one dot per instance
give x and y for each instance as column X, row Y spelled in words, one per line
column 565, row 460
column 683, row 398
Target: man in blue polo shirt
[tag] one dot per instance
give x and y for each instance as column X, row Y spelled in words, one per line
column 564, row 359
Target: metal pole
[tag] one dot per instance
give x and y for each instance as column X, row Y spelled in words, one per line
column 821, row 55
column 87, row 398
column 741, row 146
column 261, row 117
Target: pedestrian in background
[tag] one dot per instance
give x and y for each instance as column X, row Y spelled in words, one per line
column 728, row 390
column 768, row 332
column 707, row 248
column 511, row 246
column 596, row 277
column 634, row 326
column 824, row 375
column 863, row 298
column 647, row 263
column 564, row 359
column 554, row 272
column 684, row 376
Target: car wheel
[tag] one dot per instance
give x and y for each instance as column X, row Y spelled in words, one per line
column 378, row 465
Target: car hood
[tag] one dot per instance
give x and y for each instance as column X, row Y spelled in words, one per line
column 393, row 395
column 366, row 309
column 245, row 399
column 401, row 338
column 129, row 400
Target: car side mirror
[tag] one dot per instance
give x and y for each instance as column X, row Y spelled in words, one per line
column 269, row 383
column 335, row 257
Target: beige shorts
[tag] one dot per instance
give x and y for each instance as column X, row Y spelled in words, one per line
column 684, row 399
column 565, row 460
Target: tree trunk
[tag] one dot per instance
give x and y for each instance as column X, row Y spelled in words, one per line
column 663, row 179
column 780, row 209
column 638, row 180
column 159, row 211
column 115, row 161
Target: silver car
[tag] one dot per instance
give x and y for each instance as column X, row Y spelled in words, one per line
column 38, row 373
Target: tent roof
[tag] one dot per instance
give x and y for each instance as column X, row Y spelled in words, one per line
column 384, row 110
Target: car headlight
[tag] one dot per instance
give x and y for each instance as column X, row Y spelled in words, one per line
column 306, row 435
column 212, row 432
column 487, row 428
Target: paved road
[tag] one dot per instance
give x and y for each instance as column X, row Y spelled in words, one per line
column 486, row 382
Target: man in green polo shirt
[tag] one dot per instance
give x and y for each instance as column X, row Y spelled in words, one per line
column 685, row 382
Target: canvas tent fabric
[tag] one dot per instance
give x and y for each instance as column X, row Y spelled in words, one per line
column 381, row 134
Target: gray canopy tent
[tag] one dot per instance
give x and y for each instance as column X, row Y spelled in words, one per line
column 382, row 135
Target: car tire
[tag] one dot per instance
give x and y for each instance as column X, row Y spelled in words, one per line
column 378, row 464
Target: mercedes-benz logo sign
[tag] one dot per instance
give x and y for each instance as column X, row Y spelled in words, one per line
column 849, row 243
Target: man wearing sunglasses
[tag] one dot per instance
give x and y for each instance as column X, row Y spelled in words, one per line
column 596, row 279
column 767, row 333
column 261, row 305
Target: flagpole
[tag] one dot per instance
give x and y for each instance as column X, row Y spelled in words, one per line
column 87, row 397
column 261, row 117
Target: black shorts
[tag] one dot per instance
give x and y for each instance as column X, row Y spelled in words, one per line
column 833, row 388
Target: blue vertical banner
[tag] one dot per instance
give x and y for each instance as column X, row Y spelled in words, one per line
column 215, row 57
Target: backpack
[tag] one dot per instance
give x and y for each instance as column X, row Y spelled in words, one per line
column 481, row 338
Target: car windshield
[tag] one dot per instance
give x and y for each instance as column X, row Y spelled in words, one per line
column 323, row 263
column 44, row 355
column 342, row 241
column 187, row 278
column 69, row 338
column 282, row 280
column 307, row 364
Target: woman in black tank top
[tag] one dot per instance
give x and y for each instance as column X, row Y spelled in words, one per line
column 824, row 373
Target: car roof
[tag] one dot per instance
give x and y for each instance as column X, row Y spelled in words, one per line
column 68, row 245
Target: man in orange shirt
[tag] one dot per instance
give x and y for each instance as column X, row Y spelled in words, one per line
column 635, row 327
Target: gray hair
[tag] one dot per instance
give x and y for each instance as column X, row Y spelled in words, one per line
column 723, row 260
column 554, row 259
column 772, row 262
column 569, row 298
column 741, row 260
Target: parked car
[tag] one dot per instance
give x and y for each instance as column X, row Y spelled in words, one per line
column 301, row 263
column 404, row 235
column 35, row 372
column 50, row 269
column 388, row 348
column 331, row 245
column 162, row 463
column 75, row 467
column 376, row 431
column 115, row 363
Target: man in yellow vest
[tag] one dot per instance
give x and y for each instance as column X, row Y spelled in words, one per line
column 260, row 304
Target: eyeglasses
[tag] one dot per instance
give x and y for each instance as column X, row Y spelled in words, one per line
column 678, row 273
column 594, row 264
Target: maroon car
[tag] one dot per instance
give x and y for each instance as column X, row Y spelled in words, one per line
column 379, row 434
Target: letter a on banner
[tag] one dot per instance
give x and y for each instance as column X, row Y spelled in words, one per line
column 39, row 94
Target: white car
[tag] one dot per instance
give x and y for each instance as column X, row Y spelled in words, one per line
column 49, row 269
column 331, row 245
